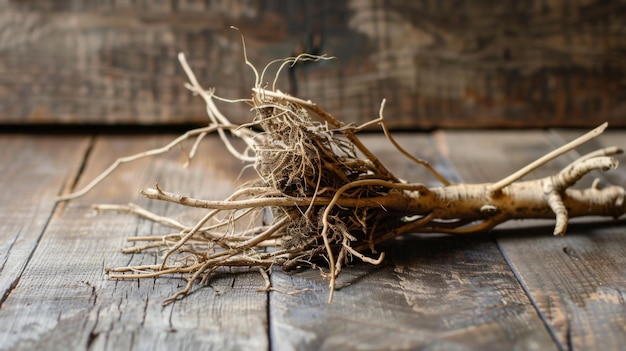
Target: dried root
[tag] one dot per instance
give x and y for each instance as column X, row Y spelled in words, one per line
column 325, row 202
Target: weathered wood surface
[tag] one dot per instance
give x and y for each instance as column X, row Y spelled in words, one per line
column 577, row 283
column 34, row 171
column 518, row 288
column 432, row 292
column 439, row 63
column 64, row 301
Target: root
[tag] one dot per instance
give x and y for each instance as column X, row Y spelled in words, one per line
column 200, row 132
column 326, row 203
column 548, row 157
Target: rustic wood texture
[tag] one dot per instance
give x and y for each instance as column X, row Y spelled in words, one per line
column 439, row 63
column 577, row 283
column 516, row 288
column 34, row 171
column 64, row 300
column 432, row 292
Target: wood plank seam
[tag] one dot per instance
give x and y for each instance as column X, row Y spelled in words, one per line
column 578, row 302
column 533, row 301
column 53, row 212
column 458, row 178
column 82, row 165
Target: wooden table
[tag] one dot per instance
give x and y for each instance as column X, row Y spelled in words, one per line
column 516, row 288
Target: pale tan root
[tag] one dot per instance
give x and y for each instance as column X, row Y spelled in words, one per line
column 200, row 132
column 315, row 200
column 453, row 209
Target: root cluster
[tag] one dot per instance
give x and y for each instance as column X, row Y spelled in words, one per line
column 322, row 196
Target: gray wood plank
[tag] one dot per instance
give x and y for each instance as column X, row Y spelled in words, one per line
column 439, row 63
column 64, row 300
column 35, row 169
column 577, row 282
column 431, row 292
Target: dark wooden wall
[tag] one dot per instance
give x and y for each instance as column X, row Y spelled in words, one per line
column 439, row 63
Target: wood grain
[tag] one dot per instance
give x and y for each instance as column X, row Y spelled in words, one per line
column 515, row 288
column 432, row 292
column 65, row 301
column 577, row 283
column 35, row 169
column 438, row 63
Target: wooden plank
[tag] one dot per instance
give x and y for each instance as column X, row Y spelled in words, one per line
column 439, row 63
column 35, row 169
column 431, row 292
column 64, row 300
column 577, row 283
column 115, row 62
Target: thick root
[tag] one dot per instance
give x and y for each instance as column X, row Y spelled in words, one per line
column 327, row 203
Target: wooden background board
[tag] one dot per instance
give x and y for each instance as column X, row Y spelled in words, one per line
column 439, row 63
